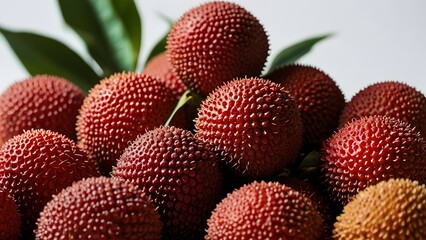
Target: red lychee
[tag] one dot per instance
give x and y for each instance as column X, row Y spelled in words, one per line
column 99, row 208
column 180, row 174
column 42, row 101
column 215, row 42
column 253, row 124
column 37, row 164
column 369, row 150
column 265, row 211
column 10, row 219
column 117, row 110
column 319, row 99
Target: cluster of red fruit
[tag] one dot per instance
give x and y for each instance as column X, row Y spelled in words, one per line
column 225, row 181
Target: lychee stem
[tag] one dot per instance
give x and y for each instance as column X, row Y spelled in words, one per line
column 188, row 97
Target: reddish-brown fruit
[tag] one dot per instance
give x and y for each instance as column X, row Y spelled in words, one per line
column 390, row 98
column 160, row 67
column 265, row 211
column 10, row 220
column 37, row 164
column 117, row 110
column 370, row 150
column 99, row 208
column 42, row 101
column 253, row 124
column 319, row 99
column 393, row 209
column 180, row 174
column 216, row 42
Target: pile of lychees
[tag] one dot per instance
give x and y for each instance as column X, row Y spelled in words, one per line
column 273, row 156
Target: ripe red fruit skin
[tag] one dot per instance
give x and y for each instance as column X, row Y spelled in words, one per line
column 117, row 110
column 253, row 124
column 10, row 219
column 99, row 208
column 369, row 150
column 214, row 43
column 265, row 211
column 180, row 174
column 160, row 67
column 37, row 164
column 319, row 99
column 389, row 98
column 42, row 101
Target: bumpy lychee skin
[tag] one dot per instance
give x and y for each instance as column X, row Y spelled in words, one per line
column 390, row 98
column 180, row 174
column 370, row 150
column 42, row 101
column 215, row 42
column 393, row 209
column 99, row 208
column 254, row 125
column 265, row 211
column 318, row 97
column 160, row 67
column 117, row 110
column 37, row 164
column 10, row 220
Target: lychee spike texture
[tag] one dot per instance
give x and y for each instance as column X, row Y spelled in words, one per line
column 370, row 150
column 37, row 164
column 254, row 125
column 393, row 209
column 99, row 208
column 265, row 211
column 179, row 173
column 215, row 42
column 319, row 99
column 10, row 219
column 390, row 98
column 117, row 110
column 42, row 101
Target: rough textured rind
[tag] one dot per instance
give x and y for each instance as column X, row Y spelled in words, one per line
column 117, row 110
column 390, row 98
column 214, row 43
column 99, row 208
column 37, row 164
column 393, row 209
column 160, row 67
column 253, row 124
column 370, row 150
column 265, row 211
column 42, row 101
column 10, row 219
column 319, row 99
column 180, row 174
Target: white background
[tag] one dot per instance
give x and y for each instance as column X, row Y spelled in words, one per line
column 373, row 40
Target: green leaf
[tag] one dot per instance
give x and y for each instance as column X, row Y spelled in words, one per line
column 111, row 30
column 43, row 55
column 187, row 98
column 292, row 53
column 160, row 46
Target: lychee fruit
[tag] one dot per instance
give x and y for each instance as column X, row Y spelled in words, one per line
column 37, row 164
column 179, row 173
column 215, row 42
column 42, row 101
column 263, row 210
column 117, row 110
column 10, row 219
column 319, row 99
column 99, row 208
column 160, row 67
column 389, row 98
column 369, row 150
column 253, row 124
column 393, row 209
